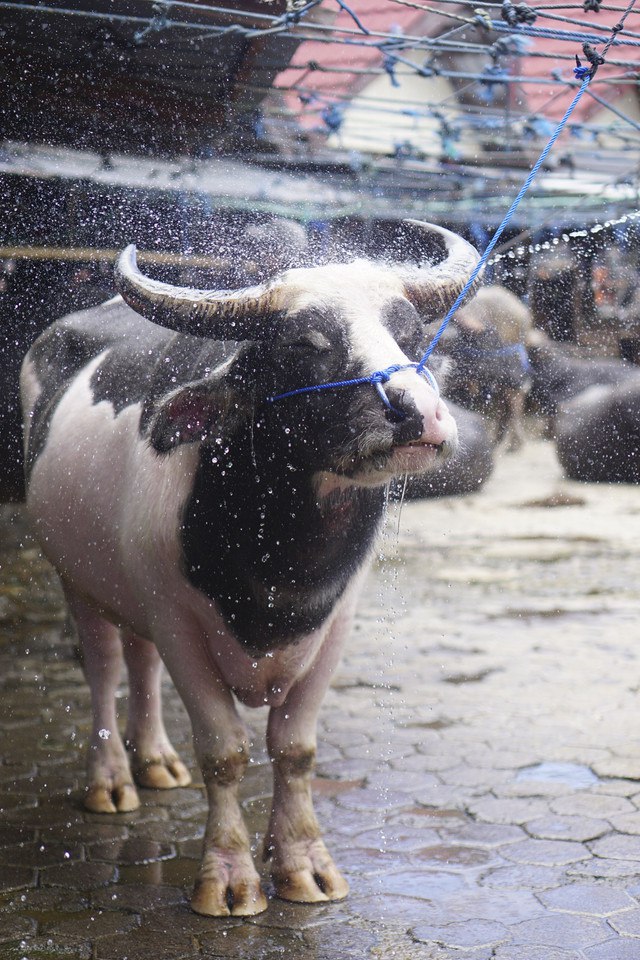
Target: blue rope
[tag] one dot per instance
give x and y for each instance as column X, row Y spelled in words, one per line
column 517, row 348
column 549, row 34
column 510, row 212
column 375, row 379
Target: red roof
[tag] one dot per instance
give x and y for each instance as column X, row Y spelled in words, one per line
column 326, row 72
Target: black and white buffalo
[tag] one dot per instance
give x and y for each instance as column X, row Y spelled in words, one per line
column 196, row 522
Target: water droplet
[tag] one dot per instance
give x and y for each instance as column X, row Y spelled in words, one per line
column 104, row 734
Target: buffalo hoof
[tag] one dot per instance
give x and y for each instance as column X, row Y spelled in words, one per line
column 312, row 876
column 111, row 798
column 223, row 898
column 163, row 773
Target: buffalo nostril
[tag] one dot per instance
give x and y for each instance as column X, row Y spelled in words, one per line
column 395, row 416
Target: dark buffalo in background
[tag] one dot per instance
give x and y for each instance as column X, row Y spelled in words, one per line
column 489, row 372
column 557, row 375
column 598, row 434
column 32, row 294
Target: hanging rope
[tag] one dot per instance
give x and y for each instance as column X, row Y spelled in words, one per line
column 382, row 376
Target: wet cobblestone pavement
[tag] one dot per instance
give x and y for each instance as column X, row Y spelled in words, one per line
column 479, row 758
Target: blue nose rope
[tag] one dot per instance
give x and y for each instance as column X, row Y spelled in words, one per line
column 586, row 74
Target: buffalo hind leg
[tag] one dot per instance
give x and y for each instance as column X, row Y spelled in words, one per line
column 110, row 787
column 301, row 866
column 154, row 762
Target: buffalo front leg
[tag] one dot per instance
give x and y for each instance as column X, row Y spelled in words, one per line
column 110, row 787
column 227, row 882
column 154, row 762
column 301, row 866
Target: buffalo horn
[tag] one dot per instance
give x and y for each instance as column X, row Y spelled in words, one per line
column 221, row 314
column 433, row 288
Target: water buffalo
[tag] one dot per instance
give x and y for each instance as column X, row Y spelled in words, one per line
column 557, row 375
column 197, row 521
column 598, row 434
column 490, row 375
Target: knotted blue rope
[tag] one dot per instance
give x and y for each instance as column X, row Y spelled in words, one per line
column 375, row 379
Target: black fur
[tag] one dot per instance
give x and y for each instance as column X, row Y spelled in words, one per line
column 256, row 537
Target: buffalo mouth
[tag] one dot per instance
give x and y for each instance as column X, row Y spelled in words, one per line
column 379, row 466
column 417, row 456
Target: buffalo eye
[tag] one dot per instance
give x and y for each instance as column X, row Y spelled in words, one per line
column 310, row 343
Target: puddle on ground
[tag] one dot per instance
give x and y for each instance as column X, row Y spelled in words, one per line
column 459, row 678
column 574, row 775
column 429, row 724
column 558, row 499
column 544, row 613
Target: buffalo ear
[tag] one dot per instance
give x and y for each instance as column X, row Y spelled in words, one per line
column 193, row 412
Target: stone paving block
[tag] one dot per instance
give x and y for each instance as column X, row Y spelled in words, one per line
column 468, row 776
column 525, row 877
column 590, row 899
column 561, row 930
column 40, row 854
column 12, row 927
column 509, row 810
column 567, row 828
column 425, row 884
column 473, row 933
column 14, row 833
column 89, row 925
column 15, row 878
column 626, row 823
column 545, row 852
column 500, row 759
column 623, row 847
column 531, row 788
column 529, row 952
column 144, row 945
column 131, row 850
column 78, row 876
column 628, row 768
column 244, row 941
column 44, row 948
column 396, row 839
column 614, row 949
column 596, row 805
column 617, row 788
column 628, row 924
column 396, row 912
column 138, row 897
column 455, row 856
column 473, row 833
column 399, row 947
column 347, row 940
column 84, row 832
column 603, row 869
column 428, row 760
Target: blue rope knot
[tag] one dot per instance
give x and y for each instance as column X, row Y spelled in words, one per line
column 376, row 379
